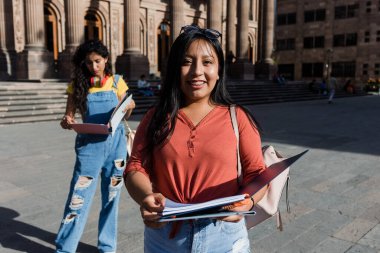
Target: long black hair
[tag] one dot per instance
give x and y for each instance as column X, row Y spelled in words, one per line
column 81, row 75
column 171, row 99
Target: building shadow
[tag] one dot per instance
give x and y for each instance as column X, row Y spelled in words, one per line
column 15, row 235
column 318, row 125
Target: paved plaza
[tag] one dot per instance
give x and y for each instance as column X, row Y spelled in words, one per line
column 334, row 189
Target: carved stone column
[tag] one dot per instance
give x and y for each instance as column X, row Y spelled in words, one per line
column 131, row 26
column 230, row 36
column 266, row 68
column 2, row 26
column 242, row 29
column 242, row 68
column 132, row 63
column 12, row 36
column 74, row 35
column 5, row 66
column 74, row 24
column 269, row 30
column 214, row 15
column 177, row 18
column 35, row 62
column 34, row 22
column 231, row 31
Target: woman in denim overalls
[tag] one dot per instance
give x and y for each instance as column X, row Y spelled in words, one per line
column 95, row 92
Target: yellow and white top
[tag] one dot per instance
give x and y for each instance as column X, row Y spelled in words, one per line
column 120, row 88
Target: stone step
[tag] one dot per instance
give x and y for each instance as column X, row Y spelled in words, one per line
column 24, row 113
column 16, row 108
column 30, row 119
column 34, row 102
column 32, row 97
column 32, row 86
column 14, row 93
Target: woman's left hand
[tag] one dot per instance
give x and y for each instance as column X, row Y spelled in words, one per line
column 244, row 205
column 130, row 106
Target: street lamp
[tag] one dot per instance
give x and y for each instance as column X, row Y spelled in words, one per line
column 164, row 27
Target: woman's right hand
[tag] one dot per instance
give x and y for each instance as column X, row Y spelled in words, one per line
column 151, row 207
column 66, row 121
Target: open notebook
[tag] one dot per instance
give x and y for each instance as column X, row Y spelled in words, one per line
column 110, row 127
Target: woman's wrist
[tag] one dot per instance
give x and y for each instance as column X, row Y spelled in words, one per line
column 253, row 203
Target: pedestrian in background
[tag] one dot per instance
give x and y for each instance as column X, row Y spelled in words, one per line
column 323, row 87
column 94, row 91
column 185, row 151
column 332, row 86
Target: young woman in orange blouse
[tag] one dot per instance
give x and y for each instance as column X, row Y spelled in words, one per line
column 185, row 151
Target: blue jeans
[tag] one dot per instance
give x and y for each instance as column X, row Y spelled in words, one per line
column 203, row 236
column 96, row 155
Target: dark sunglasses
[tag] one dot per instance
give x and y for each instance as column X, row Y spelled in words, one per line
column 209, row 33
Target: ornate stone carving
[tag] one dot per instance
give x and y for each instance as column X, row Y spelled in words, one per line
column 116, row 34
column 19, row 34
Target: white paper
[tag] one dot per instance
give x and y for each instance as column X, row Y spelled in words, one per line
column 174, row 208
column 118, row 113
column 206, row 215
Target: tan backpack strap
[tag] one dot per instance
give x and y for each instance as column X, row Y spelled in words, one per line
column 287, row 196
column 279, row 221
column 236, row 130
column 127, row 126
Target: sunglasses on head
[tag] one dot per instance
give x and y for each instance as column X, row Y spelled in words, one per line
column 209, row 33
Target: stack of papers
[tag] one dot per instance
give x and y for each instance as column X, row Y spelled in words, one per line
column 173, row 208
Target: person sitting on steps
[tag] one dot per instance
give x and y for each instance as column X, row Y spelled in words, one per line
column 144, row 87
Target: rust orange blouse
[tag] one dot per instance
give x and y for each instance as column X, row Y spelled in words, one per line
column 199, row 162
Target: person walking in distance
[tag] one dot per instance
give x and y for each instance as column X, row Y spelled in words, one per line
column 94, row 92
column 332, row 86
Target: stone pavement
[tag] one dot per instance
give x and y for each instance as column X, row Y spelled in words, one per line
column 334, row 189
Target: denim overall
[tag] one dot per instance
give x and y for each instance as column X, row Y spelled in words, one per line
column 95, row 154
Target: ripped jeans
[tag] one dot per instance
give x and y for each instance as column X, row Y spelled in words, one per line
column 96, row 154
column 203, row 235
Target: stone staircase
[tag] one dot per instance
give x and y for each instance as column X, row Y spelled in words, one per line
column 30, row 102
column 22, row 102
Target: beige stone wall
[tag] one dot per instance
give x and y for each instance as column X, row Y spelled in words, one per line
column 111, row 15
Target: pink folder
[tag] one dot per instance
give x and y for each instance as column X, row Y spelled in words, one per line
column 110, row 128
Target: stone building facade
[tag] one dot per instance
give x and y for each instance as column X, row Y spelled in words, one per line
column 38, row 37
column 318, row 39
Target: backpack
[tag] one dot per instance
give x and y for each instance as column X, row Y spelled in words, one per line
column 130, row 134
column 268, row 206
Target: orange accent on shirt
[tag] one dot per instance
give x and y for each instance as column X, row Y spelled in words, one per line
column 199, row 163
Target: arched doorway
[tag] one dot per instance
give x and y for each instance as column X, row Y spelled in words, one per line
column 51, row 34
column 92, row 26
column 163, row 44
